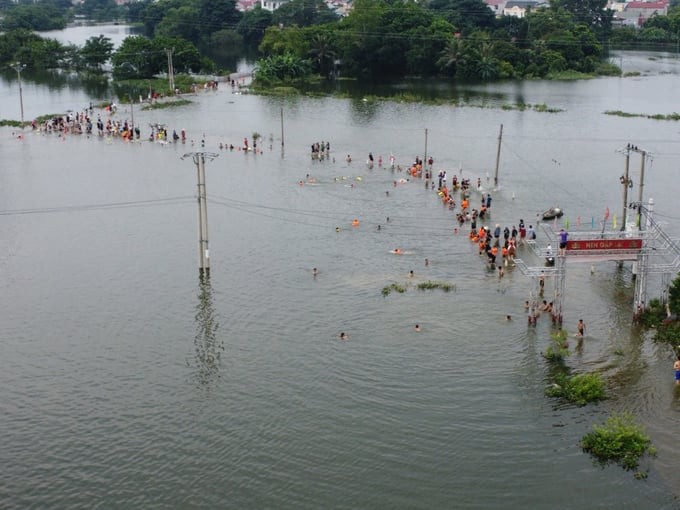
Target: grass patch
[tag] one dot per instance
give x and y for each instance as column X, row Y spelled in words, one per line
column 160, row 105
column 578, row 389
column 396, row 287
column 657, row 116
column 620, row 440
column 428, row 285
column 569, row 75
column 12, row 123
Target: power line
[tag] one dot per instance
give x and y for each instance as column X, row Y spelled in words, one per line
column 93, row 207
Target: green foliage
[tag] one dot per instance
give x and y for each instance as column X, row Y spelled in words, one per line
column 619, row 440
column 160, row 105
column 32, row 50
column 281, row 68
column 577, row 389
column 559, row 347
column 396, row 287
column 253, row 25
column 657, row 116
column 429, row 285
column 141, row 57
column 35, row 16
column 303, row 13
column 96, row 51
column 99, row 10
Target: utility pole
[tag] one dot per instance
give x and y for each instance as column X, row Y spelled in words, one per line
column 171, row 71
column 203, row 250
column 643, row 153
column 425, row 154
column 282, row 144
column 498, row 157
column 18, row 68
column 626, row 184
column 132, row 116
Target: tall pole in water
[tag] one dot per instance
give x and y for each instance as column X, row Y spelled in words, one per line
column 425, row 154
column 18, row 68
column 132, row 117
column 626, row 182
column 498, row 157
column 171, row 70
column 203, row 250
column 282, row 143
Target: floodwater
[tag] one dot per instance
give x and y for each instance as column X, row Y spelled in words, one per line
column 126, row 383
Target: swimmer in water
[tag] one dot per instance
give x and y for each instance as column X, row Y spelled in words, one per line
column 314, row 272
column 417, row 327
column 411, row 274
column 397, row 251
column 344, row 336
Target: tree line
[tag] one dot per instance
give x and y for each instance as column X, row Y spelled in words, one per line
column 378, row 39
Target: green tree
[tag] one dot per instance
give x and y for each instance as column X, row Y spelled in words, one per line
column 453, row 55
column 593, row 13
column 100, row 10
column 39, row 16
column 214, row 15
column 465, row 15
column 96, row 51
column 303, row 13
column 225, row 44
column 253, row 24
column 180, row 22
column 322, row 52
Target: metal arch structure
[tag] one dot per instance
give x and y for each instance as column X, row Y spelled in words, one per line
column 650, row 249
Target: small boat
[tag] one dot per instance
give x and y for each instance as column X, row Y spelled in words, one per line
column 553, row 212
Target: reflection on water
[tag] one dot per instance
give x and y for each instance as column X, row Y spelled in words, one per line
column 208, row 348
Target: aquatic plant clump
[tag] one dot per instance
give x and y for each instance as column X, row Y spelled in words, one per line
column 619, row 440
column 446, row 287
column 396, row 287
column 559, row 347
column 578, row 389
column 166, row 104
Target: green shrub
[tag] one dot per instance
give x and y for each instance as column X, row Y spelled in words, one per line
column 619, row 440
column 578, row 389
column 558, row 348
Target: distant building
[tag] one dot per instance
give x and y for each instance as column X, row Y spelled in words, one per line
column 496, row 6
column 520, row 8
column 271, row 5
column 636, row 13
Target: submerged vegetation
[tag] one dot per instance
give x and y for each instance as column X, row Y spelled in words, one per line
column 166, row 104
column 428, row 285
column 578, row 389
column 559, row 347
column 396, row 287
column 657, row 116
column 620, row 440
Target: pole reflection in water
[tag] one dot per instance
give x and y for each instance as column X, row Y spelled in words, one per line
column 208, row 348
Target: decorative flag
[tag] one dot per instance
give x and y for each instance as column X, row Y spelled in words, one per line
column 614, row 221
column 578, row 221
column 606, row 214
column 566, row 223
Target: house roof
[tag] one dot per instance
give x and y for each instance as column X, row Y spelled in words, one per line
column 523, row 4
column 647, row 5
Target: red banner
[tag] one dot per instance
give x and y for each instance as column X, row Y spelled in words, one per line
column 605, row 244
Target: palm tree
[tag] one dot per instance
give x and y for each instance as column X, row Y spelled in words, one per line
column 322, row 51
column 453, row 55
